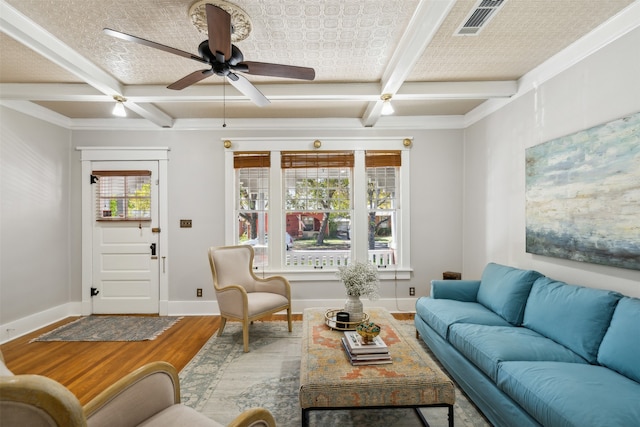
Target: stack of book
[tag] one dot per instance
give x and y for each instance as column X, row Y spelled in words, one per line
column 374, row 353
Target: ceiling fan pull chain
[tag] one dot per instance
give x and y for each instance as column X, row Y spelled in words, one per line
column 224, row 102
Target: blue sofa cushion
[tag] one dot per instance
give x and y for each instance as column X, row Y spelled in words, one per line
column 441, row 313
column 572, row 394
column 488, row 346
column 505, row 289
column 620, row 348
column 460, row 290
column 574, row 316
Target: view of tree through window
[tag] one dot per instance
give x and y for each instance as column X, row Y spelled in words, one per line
column 318, row 206
column 318, row 215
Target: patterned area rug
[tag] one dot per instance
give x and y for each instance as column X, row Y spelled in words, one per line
column 111, row 328
column 221, row 381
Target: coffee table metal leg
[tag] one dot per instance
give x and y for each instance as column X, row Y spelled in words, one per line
column 450, row 415
column 426, row 423
column 305, row 417
column 423, row 420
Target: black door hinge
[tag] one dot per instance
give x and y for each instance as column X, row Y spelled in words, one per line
column 94, row 292
column 94, row 179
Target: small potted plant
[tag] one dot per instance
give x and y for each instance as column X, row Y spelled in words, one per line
column 368, row 331
column 359, row 279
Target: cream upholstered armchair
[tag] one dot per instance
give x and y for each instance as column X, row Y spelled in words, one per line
column 243, row 296
column 149, row 396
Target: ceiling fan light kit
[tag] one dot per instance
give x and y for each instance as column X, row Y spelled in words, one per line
column 224, row 58
column 118, row 109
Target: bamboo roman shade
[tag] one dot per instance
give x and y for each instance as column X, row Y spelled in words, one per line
column 313, row 159
column 374, row 159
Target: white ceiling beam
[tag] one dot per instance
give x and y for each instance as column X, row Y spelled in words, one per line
column 457, row 90
column 53, row 92
column 276, row 92
column 426, row 20
column 22, row 29
column 37, row 111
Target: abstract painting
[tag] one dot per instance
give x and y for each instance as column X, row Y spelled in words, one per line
column 583, row 195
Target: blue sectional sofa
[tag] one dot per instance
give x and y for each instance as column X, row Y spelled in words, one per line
column 531, row 351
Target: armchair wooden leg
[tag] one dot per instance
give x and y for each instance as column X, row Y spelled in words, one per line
column 223, row 322
column 289, row 318
column 245, row 335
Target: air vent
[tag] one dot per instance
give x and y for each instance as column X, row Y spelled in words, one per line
column 479, row 16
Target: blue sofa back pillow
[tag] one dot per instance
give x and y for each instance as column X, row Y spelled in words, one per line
column 620, row 348
column 574, row 316
column 505, row 290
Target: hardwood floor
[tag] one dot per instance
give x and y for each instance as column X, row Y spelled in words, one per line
column 87, row 368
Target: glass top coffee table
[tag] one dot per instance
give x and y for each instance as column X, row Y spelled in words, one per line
column 329, row 381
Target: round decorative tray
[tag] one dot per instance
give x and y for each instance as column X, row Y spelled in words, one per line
column 330, row 320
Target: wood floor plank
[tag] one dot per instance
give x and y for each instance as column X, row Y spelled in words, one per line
column 87, row 368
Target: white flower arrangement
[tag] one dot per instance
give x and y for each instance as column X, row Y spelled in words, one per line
column 360, row 279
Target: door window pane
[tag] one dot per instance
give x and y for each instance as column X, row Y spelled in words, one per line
column 123, row 195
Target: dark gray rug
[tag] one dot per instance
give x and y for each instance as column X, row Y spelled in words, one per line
column 221, row 381
column 111, row 328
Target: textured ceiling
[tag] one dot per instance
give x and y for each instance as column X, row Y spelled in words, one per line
column 351, row 42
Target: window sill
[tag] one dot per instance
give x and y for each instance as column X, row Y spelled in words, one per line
column 329, row 275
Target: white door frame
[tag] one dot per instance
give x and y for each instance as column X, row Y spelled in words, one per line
column 90, row 154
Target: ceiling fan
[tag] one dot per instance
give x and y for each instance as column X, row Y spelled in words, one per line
column 224, row 58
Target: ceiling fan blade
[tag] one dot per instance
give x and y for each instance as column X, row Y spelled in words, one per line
column 155, row 45
column 277, row 70
column 248, row 89
column 190, row 79
column 219, row 28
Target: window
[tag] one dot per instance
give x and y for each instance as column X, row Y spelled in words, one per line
column 252, row 202
column 330, row 206
column 318, row 207
column 382, row 179
column 123, row 195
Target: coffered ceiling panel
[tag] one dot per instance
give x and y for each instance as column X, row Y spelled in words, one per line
column 521, row 35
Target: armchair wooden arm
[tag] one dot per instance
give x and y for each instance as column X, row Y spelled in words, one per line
column 254, row 417
column 135, row 397
column 36, row 400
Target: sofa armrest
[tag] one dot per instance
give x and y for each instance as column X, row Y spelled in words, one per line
column 135, row 397
column 254, row 417
column 459, row 290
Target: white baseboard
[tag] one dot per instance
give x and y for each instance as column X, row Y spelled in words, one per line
column 25, row 325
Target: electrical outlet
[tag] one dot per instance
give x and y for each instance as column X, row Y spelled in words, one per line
column 412, row 291
column 199, row 292
column 185, row 223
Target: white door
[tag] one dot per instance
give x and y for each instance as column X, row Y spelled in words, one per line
column 126, row 270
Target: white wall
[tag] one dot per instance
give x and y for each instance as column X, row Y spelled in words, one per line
column 603, row 87
column 35, row 271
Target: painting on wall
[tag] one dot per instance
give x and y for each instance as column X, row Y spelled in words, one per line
column 583, row 195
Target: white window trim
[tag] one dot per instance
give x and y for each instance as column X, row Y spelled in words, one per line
column 359, row 146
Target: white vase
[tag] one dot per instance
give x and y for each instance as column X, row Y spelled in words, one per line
column 353, row 306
